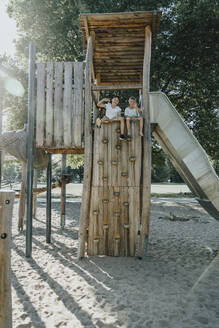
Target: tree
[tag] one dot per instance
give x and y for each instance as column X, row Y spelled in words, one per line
column 185, row 66
column 15, row 107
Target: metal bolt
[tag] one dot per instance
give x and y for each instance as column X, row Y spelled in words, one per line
column 7, row 201
column 3, row 235
column 105, row 140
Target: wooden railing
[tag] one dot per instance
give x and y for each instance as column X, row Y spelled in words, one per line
column 60, row 105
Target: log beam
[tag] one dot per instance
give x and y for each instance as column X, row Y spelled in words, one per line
column 6, row 206
column 85, row 206
column 146, row 192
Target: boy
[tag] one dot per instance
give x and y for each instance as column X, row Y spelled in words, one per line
column 133, row 112
column 113, row 112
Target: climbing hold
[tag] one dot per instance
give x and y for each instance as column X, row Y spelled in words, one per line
column 117, row 237
column 7, row 201
column 118, row 130
column 132, row 158
column 3, row 235
column 118, row 147
column 100, row 162
column 116, row 193
column 96, row 239
column 116, row 213
column 105, row 200
column 105, row 179
column 126, row 226
column 105, row 140
column 114, row 162
column 95, row 212
column 105, row 226
column 124, row 174
column 126, row 204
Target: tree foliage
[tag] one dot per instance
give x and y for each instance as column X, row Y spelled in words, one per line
column 185, row 65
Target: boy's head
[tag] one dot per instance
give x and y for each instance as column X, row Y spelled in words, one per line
column 115, row 100
column 132, row 102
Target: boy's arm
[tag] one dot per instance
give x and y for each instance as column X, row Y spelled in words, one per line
column 101, row 103
column 138, row 109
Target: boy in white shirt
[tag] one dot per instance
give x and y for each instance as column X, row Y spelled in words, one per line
column 113, row 113
column 133, row 112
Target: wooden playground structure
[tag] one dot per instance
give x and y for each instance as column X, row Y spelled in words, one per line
column 118, row 54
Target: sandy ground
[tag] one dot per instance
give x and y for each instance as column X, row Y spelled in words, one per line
column 177, row 286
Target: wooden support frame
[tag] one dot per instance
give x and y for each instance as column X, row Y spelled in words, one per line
column 6, row 208
column 63, row 193
column 88, row 35
column 1, row 162
column 30, row 147
column 49, row 201
column 22, row 203
column 146, row 192
column 117, row 87
column 35, row 195
column 88, row 137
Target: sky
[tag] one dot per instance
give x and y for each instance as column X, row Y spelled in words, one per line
column 7, row 31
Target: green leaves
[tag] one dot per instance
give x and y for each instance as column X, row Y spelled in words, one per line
column 185, row 65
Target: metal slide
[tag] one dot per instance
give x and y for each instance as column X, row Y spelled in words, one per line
column 185, row 152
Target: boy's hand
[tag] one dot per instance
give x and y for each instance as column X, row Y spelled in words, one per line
column 106, row 99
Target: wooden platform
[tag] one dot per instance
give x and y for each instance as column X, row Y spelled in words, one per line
column 115, row 193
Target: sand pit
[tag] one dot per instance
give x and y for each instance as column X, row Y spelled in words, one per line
column 176, row 287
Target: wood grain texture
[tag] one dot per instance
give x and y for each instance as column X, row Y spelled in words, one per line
column 49, row 105
column 67, row 105
column 22, row 202
column 58, row 105
column 40, row 112
column 145, row 215
column 84, row 215
column 78, row 103
column 6, row 208
column 119, row 35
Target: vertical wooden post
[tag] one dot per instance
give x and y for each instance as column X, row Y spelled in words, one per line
column 6, row 207
column 35, row 194
column 63, row 192
column 87, row 153
column 146, row 192
column 22, row 203
column 30, row 147
column 1, row 162
column 49, row 201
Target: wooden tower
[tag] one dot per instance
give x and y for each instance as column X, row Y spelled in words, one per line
column 118, row 174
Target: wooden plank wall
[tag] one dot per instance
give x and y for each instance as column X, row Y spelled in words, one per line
column 115, row 196
column 60, row 105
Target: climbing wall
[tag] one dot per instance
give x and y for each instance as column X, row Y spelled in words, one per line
column 115, row 193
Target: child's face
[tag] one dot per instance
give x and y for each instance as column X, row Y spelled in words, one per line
column 132, row 103
column 115, row 100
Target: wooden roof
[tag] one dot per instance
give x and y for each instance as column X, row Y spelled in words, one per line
column 119, row 43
